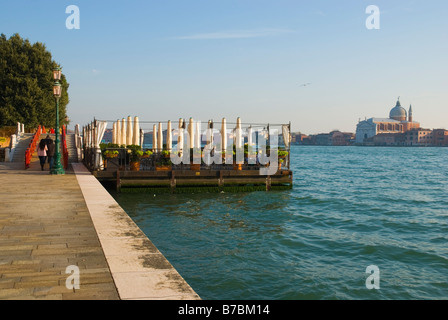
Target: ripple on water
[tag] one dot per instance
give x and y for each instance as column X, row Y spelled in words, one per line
column 349, row 208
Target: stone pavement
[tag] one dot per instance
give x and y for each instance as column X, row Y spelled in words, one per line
column 45, row 227
column 48, row 223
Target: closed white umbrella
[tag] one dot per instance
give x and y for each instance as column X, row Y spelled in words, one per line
column 142, row 137
column 154, row 138
column 224, row 135
column 249, row 136
column 208, row 136
column 90, row 136
column 239, row 134
column 86, row 136
column 129, row 131
column 123, row 131
column 250, row 146
column 114, row 133
column 118, row 134
column 212, row 135
column 196, row 132
column 136, row 134
column 160, row 138
column 197, row 136
column 191, row 132
column 180, row 137
column 169, row 139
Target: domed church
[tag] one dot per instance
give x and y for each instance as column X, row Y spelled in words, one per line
column 399, row 121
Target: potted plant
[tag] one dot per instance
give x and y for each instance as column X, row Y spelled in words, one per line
column 166, row 153
column 111, row 154
column 280, row 161
column 236, row 166
column 147, row 154
column 193, row 155
column 282, row 154
column 135, row 154
column 163, row 164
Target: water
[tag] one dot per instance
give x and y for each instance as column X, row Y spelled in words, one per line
column 351, row 207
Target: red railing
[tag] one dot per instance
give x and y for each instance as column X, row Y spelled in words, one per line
column 32, row 147
column 64, row 147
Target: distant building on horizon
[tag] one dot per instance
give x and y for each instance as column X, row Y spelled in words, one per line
column 399, row 121
column 334, row 138
column 399, row 129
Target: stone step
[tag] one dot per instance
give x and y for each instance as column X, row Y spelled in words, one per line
column 20, row 148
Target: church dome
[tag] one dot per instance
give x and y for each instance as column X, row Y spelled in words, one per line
column 398, row 113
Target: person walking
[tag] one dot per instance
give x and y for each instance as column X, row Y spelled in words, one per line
column 47, row 139
column 50, row 152
column 42, row 153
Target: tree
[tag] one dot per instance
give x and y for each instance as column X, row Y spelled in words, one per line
column 26, row 84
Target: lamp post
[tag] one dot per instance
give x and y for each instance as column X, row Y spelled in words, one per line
column 57, row 91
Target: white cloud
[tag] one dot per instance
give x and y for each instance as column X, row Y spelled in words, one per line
column 237, row 34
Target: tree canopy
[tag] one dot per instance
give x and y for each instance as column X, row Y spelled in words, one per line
column 26, row 84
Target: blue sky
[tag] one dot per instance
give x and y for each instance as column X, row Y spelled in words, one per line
column 163, row 60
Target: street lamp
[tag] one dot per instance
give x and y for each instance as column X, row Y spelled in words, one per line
column 57, row 92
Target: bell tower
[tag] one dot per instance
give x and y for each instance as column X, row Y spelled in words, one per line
column 410, row 113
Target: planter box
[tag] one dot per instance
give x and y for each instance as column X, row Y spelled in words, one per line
column 164, row 168
column 135, row 165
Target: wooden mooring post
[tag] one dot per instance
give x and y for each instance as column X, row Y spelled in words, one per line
column 118, row 182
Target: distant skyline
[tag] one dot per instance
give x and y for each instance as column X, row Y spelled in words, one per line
column 312, row 63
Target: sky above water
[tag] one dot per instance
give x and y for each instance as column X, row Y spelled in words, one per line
column 314, row 63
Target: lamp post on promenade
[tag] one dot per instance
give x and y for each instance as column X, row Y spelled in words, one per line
column 57, row 91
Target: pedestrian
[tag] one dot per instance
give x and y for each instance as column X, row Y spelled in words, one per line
column 50, row 153
column 47, row 140
column 42, row 153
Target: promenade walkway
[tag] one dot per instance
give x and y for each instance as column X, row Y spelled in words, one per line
column 48, row 223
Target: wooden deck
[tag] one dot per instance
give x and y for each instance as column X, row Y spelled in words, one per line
column 173, row 180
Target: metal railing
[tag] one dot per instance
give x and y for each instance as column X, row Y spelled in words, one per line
column 158, row 161
column 32, row 147
column 64, row 147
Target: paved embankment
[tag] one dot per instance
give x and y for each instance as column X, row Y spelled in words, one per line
column 48, row 223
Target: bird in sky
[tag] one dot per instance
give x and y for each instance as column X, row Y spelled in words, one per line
column 304, row 84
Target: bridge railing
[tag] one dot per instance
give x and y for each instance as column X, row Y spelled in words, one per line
column 32, row 147
column 64, row 147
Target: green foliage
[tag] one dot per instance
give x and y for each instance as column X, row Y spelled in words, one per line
column 165, row 153
column 282, row 154
column 163, row 161
column 105, row 146
column 148, row 153
column 109, row 146
column 134, row 147
column 26, row 84
column 111, row 153
column 136, row 152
